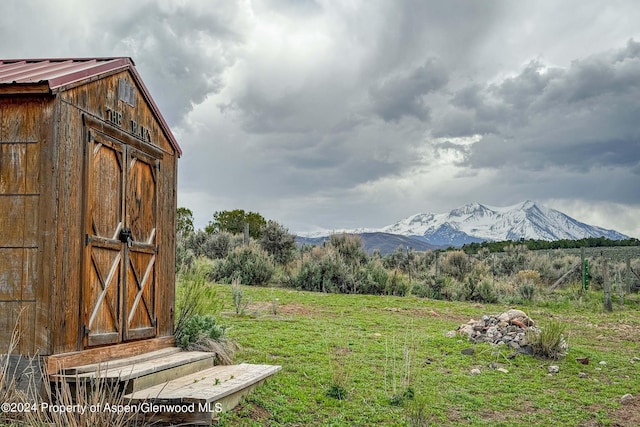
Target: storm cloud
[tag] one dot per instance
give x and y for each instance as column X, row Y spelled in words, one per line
column 331, row 114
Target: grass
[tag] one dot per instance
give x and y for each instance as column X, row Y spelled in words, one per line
column 340, row 354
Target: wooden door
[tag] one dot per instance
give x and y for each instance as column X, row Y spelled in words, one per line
column 141, row 215
column 120, row 257
column 104, row 252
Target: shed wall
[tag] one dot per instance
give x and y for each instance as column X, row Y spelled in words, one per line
column 25, row 133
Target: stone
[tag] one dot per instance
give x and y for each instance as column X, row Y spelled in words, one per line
column 475, row 371
column 468, row 351
column 503, row 370
column 582, row 374
column 514, row 314
column 450, row 334
column 553, row 369
column 635, row 359
column 603, row 363
column 504, row 317
column 626, row 399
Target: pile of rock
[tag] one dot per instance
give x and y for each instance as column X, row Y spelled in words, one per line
column 507, row 328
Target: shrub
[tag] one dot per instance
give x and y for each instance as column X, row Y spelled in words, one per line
column 547, row 341
column 526, row 291
column 485, row 292
column 278, row 242
column 456, row 264
column 372, row 278
column 398, row 285
column 349, row 246
column 325, row 271
column 197, row 328
column 249, row 264
column 528, row 276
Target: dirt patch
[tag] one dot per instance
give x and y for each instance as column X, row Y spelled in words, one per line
column 429, row 312
column 270, row 308
column 627, row 415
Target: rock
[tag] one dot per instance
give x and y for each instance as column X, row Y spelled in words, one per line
column 582, row 374
column 475, row 371
column 583, row 360
column 450, row 334
column 626, row 399
column 514, row 314
column 504, row 317
column 468, row 351
column 635, row 359
column 526, row 349
column 603, row 363
column 512, row 355
column 503, row 370
column 553, row 369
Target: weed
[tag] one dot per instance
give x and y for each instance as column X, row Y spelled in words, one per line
column 240, row 303
column 548, row 340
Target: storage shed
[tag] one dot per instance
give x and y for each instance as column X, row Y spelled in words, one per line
column 88, row 171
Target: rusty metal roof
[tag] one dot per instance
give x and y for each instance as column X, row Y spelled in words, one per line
column 58, row 74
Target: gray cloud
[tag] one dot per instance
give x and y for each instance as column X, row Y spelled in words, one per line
column 399, row 96
column 344, row 114
column 579, row 118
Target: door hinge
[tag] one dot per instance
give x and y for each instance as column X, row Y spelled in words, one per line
column 155, row 322
column 86, row 239
column 85, row 330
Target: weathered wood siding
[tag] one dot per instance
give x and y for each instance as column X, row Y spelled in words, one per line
column 24, row 135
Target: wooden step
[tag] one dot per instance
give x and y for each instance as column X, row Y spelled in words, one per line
column 116, row 363
column 143, row 371
column 202, row 395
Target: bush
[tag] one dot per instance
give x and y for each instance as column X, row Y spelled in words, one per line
column 325, row 271
column 526, row 291
column 278, row 242
column 398, row 285
column 250, row 265
column 198, row 328
column 456, row 264
column 485, row 292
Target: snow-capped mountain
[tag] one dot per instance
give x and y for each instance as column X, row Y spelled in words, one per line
column 476, row 222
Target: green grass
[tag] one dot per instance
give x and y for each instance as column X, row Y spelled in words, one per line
column 391, row 358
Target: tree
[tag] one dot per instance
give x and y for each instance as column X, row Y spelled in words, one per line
column 278, row 242
column 184, row 221
column 233, row 222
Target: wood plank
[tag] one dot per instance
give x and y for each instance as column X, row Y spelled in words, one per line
column 124, row 373
column 209, row 385
column 58, row 362
column 46, row 272
column 121, row 362
column 165, row 375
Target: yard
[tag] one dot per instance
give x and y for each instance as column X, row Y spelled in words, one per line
column 382, row 360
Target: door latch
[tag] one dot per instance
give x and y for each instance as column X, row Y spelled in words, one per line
column 126, row 236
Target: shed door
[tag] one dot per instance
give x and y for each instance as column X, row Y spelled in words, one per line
column 120, row 274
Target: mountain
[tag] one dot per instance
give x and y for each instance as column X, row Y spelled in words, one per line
column 383, row 242
column 478, row 222
column 475, row 222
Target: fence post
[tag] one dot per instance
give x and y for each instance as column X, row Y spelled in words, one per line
column 606, row 285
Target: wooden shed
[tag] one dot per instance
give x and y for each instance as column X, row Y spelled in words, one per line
column 88, row 171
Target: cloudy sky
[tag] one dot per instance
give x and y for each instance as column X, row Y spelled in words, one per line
column 326, row 114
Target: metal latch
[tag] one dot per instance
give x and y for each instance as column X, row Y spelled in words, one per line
column 126, row 236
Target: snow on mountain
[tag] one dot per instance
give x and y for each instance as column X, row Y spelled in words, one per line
column 475, row 222
column 478, row 222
